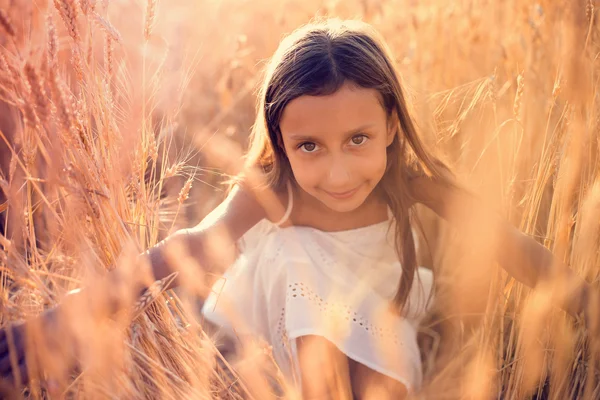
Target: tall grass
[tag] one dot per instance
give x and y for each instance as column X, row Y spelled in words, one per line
column 108, row 110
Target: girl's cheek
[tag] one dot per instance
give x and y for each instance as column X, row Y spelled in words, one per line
column 304, row 171
column 372, row 159
column 374, row 169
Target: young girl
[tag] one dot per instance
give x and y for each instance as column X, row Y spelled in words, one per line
column 334, row 139
column 331, row 281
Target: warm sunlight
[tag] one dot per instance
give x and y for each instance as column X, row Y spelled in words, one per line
column 213, row 200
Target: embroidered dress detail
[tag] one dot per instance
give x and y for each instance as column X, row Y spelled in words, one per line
column 296, row 281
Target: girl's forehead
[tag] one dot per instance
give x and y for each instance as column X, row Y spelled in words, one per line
column 348, row 108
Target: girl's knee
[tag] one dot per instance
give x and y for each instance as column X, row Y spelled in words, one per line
column 370, row 384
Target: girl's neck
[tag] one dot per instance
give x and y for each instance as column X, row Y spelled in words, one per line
column 310, row 212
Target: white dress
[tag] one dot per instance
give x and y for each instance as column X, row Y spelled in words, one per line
column 296, row 281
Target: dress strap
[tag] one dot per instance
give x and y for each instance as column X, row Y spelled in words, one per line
column 290, row 205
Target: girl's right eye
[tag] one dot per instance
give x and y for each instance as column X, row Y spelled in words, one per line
column 308, row 147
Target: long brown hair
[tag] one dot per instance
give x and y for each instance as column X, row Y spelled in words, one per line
column 318, row 59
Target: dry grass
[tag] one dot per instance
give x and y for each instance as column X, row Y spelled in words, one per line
column 106, row 110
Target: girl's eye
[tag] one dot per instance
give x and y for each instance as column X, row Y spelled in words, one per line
column 308, row 147
column 359, row 139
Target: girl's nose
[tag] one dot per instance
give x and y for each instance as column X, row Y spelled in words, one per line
column 339, row 174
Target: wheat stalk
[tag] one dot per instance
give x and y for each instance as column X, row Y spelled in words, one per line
column 518, row 96
column 150, row 18
column 184, row 194
column 68, row 12
column 87, row 6
column 106, row 27
column 6, row 23
column 37, row 92
column 151, row 294
column 52, row 46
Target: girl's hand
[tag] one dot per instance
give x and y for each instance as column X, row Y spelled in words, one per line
column 588, row 299
column 42, row 346
column 13, row 363
column 47, row 342
column 27, row 346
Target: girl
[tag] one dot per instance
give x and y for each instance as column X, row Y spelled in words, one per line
column 334, row 141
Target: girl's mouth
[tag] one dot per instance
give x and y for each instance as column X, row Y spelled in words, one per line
column 343, row 195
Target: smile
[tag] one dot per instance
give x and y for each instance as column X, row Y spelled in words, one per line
column 343, row 195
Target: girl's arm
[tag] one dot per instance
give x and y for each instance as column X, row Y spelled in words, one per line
column 520, row 255
column 212, row 242
column 240, row 211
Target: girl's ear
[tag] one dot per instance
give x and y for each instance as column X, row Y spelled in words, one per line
column 393, row 127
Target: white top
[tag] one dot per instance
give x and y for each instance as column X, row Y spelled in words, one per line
column 295, row 281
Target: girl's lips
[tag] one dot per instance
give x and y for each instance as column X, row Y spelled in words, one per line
column 342, row 195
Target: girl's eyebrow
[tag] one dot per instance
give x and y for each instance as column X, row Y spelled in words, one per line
column 347, row 134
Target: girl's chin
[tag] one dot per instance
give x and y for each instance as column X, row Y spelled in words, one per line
column 343, row 205
column 345, row 209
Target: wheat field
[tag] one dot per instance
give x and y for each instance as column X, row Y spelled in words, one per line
column 120, row 120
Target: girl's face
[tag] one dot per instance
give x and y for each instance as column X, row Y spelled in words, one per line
column 336, row 145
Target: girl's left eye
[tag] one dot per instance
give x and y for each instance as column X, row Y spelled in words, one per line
column 359, row 139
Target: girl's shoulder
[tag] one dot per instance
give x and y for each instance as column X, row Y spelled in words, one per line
column 447, row 199
column 243, row 208
column 431, row 193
